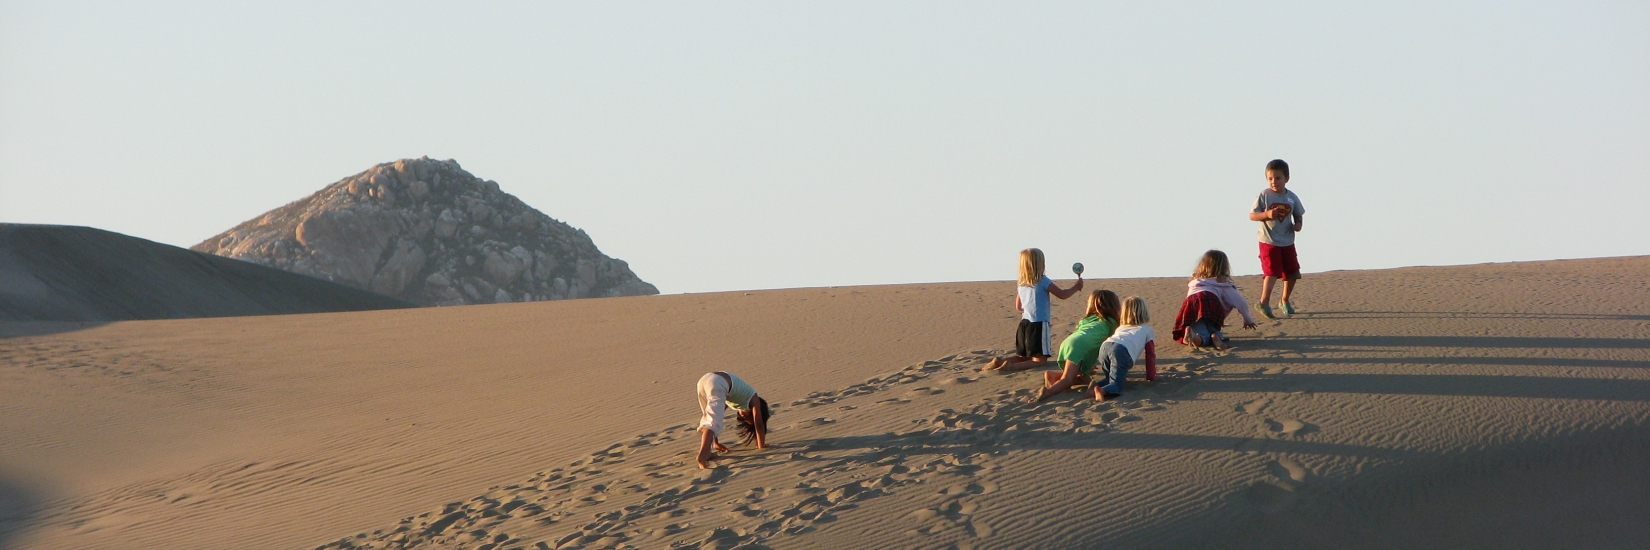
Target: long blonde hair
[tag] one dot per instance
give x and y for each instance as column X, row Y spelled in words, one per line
column 1134, row 311
column 1214, row 265
column 1103, row 304
column 1031, row 266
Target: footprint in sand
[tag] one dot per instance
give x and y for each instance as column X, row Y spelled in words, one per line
column 714, row 475
column 982, row 487
column 1270, row 496
column 1289, row 472
column 1255, row 406
column 1288, row 427
column 948, row 516
column 1272, row 370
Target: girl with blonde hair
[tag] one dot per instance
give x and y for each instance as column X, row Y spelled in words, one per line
column 1131, row 344
column 1031, row 338
column 1210, row 297
column 1080, row 351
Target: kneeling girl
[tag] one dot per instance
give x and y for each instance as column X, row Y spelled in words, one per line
column 1080, row 351
column 1132, row 343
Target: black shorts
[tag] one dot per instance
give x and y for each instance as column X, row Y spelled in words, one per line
column 1031, row 340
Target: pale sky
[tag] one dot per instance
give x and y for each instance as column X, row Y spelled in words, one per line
column 728, row 146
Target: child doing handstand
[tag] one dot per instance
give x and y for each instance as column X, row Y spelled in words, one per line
column 1031, row 339
column 1080, row 351
column 719, row 389
column 1131, row 343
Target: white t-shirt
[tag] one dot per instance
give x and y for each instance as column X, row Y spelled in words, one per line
column 1133, row 337
column 1034, row 301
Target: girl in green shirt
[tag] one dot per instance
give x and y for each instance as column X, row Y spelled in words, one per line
column 1081, row 351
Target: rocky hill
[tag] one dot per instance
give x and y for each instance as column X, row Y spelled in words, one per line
column 430, row 233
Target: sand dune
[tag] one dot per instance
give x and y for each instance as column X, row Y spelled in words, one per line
column 80, row 274
column 1488, row 406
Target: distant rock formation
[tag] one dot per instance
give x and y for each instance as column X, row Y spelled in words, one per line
column 80, row 274
column 430, row 233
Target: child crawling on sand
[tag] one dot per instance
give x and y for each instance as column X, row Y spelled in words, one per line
column 1031, row 338
column 1132, row 343
column 719, row 389
column 1210, row 297
column 1081, row 351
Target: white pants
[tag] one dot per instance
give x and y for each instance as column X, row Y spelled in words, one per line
column 713, row 401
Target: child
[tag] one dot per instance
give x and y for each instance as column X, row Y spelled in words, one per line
column 1210, row 296
column 1131, row 343
column 717, row 389
column 1031, row 339
column 1280, row 213
column 1080, row 351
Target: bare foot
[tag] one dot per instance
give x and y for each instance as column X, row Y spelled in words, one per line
column 1100, row 394
column 1041, row 395
column 720, row 448
column 996, row 363
column 704, row 460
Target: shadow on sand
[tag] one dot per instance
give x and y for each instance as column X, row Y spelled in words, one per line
column 42, row 328
column 1468, row 315
column 1590, row 389
column 18, row 507
column 1308, row 344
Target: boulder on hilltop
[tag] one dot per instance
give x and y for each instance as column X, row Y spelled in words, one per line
column 428, row 232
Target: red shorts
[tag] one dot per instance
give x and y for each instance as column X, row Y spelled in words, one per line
column 1279, row 261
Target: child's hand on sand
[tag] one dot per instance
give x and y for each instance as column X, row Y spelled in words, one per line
column 1250, row 326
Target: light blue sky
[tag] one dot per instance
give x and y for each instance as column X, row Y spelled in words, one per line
column 762, row 145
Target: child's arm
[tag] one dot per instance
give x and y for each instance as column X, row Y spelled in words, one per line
column 1300, row 221
column 1017, row 306
column 1150, row 358
column 1236, row 300
column 1063, row 294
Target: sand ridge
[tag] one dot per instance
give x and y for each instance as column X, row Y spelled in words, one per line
column 80, row 274
column 1480, row 404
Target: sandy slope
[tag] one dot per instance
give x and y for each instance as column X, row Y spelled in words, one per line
column 81, row 274
column 1479, row 406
